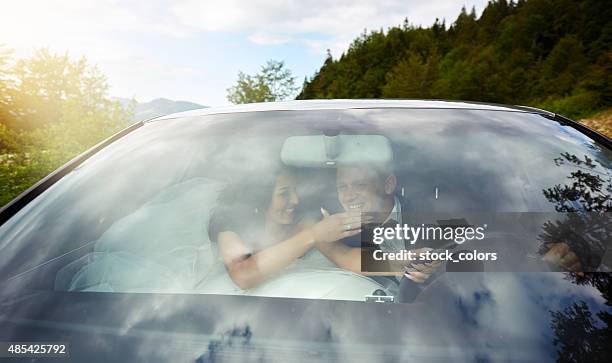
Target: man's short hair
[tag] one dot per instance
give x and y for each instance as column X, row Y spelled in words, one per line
column 383, row 170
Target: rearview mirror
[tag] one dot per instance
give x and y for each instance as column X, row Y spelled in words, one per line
column 330, row 151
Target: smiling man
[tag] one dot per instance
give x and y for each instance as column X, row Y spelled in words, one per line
column 369, row 189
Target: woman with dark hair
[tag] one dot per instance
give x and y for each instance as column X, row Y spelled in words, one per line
column 259, row 231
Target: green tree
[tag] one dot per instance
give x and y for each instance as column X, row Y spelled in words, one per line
column 411, row 78
column 274, row 82
column 57, row 107
column 543, row 53
column 5, row 85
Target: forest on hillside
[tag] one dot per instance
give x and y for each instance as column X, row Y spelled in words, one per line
column 553, row 54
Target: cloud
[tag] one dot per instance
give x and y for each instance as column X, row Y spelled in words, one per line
column 115, row 35
column 47, row 22
column 134, row 41
column 321, row 24
column 269, row 39
column 334, row 22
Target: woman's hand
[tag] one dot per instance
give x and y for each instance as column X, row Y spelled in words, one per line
column 338, row 226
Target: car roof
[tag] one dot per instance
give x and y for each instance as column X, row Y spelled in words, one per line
column 302, row 105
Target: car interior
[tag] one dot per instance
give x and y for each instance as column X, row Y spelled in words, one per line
column 163, row 245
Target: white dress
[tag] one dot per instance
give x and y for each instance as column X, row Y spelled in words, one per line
column 312, row 276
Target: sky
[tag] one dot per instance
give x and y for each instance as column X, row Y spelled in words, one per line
column 193, row 50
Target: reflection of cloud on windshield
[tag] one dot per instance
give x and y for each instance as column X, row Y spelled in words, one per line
column 496, row 310
column 500, row 316
column 479, row 160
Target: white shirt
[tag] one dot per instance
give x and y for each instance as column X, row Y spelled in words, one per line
column 394, row 245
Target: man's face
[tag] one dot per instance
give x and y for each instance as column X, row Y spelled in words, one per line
column 360, row 188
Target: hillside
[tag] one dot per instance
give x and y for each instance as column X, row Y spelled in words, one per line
column 601, row 122
column 550, row 54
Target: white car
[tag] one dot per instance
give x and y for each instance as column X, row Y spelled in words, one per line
column 111, row 255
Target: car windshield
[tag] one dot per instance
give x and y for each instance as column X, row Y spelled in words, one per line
column 142, row 214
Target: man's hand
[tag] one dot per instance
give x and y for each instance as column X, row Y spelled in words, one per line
column 561, row 255
column 418, row 271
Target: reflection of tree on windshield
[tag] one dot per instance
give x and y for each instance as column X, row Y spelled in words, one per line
column 579, row 335
column 234, row 338
column 236, row 345
column 585, row 199
column 587, row 192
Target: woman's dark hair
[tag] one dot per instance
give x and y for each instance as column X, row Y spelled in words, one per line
column 243, row 204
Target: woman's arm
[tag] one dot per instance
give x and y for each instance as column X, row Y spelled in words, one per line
column 249, row 270
column 345, row 257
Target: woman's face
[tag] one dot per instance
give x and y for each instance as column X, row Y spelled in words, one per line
column 284, row 199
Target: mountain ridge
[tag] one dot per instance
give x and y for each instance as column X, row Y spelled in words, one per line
column 157, row 107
